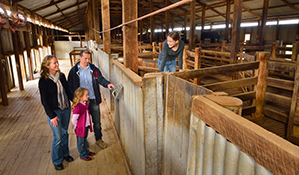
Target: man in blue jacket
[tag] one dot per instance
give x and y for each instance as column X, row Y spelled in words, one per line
column 87, row 75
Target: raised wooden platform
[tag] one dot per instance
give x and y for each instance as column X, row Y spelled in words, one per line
column 25, row 138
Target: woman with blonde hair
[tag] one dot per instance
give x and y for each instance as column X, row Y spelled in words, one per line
column 55, row 95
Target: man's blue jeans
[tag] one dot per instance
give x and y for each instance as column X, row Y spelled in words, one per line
column 60, row 143
column 95, row 113
column 82, row 144
column 170, row 66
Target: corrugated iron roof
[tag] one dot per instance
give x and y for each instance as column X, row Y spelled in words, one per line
column 56, row 10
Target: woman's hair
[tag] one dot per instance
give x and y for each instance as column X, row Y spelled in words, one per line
column 77, row 95
column 44, row 70
column 175, row 35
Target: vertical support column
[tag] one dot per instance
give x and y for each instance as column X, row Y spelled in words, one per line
column 236, row 31
column 261, row 86
column 106, row 25
column 278, row 30
column 130, row 35
column 21, row 54
column 167, row 17
column 154, row 47
column 140, row 26
column 197, row 64
column 18, row 65
column 160, row 47
column 96, row 20
column 263, row 23
column 203, row 20
column 274, row 49
column 152, row 22
column 185, row 26
column 185, row 58
column 90, row 21
column 227, row 20
column 192, row 25
column 2, row 79
column 295, row 51
column 28, row 50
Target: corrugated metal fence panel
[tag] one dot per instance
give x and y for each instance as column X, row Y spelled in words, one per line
column 211, row 154
column 177, row 122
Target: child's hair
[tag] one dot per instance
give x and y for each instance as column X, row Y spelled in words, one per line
column 77, row 95
column 175, row 35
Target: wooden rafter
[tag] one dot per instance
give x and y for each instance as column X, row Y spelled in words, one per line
column 81, row 11
column 58, row 11
column 76, row 16
column 67, row 14
column 290, row 5
column 251, row 12
column 48, row 5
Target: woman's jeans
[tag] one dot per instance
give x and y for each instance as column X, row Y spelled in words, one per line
column 95, row 113
column 60, row 144
column 170, row 66
column 82, row 144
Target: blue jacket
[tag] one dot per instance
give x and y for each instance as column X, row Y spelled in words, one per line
column 97, row 78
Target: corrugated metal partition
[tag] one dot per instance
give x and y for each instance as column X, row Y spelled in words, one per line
column 177, row 122
column 141, row 119
column 211, row 153
column 222, row 142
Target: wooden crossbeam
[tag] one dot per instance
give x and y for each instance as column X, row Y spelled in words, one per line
column 64, row 9
column 290, row 5
column 48, row 5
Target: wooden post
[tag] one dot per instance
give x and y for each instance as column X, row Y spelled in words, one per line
column 192, row 25
column 203, row 19
column 152, row 22
column 274, row 49
column 227, row 20
column 21, row 54
column 185, row 58
column 294, row 104
column 130, row 34
column 154, row 47
column 141, row 28
column 17, row 58
column 263, row 23
column 28, row 50
column 160, row 47
column 277, row 30
column 105, row 5
column 236, row 31
column 261, row 86
column 167, row 17
column 295, row 51
column 2, row 79
column 197, row 64
column 185, row 26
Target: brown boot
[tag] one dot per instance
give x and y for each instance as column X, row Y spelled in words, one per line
column 101, row 144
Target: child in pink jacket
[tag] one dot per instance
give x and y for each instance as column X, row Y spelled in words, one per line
column 82, row 122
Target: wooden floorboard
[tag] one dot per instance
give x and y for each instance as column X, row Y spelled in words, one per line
column 26, row 138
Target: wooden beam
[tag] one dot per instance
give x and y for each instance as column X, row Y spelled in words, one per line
column 130, row 35
column 251, row 12
column 61, row 10
column 152, row 22
column 290, row 5
column 167, row 17
column 226, row 69
column 192, row 25
column 2, row 78
column 106, row 25
column 73, row 15
column 261, row 86
column 246, row 96
column 203, row 18
column 220, row 86
column 276, row 115
column 263, row 23
column 227, row 20
column 48, row 5
column 280, row 83
column 236, row 31
column 28, row 50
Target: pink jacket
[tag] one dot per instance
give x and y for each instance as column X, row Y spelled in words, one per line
column 79, row 119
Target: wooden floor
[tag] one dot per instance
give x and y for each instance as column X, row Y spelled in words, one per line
column 26, row 137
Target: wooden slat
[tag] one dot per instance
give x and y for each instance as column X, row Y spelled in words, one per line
column 278, row 99
column 280, row 83
column 248, row 110
column 231, row 84
column 249, row 137
column 246, row 95
column 276, row 115
column 285, row 67
column 217, row 70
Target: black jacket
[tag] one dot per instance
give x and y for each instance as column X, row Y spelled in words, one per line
column 97, row 78
column 48, row 94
